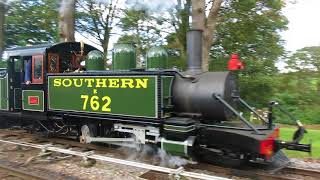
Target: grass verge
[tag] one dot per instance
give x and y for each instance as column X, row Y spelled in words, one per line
column 312, row 136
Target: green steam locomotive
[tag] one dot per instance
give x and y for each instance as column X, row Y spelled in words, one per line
column 50, row 89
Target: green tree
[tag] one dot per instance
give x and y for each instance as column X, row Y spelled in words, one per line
column 2, row 19
column 31, row 22
column 177, row 40
column 131, row 23
column 140, row 28
column 304, row 102
column 248, row 27
column 97, row 19
column 177, row 53
column 180, row 21
column 251, row 29
column 305, row 59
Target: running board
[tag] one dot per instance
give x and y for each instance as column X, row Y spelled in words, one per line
column 88, row 139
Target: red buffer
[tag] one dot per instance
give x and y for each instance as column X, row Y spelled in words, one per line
column 234, row 63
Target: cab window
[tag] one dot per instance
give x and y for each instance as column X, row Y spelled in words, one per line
column 37, row 69
column 27, row 61
column 53, row 66
column 17, row 64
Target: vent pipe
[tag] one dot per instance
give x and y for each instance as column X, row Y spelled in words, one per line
column 194, row 51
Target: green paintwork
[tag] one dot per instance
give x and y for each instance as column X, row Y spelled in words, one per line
column 137, row 102
column 173, row 147
column 167, row 91
column 26, row 94
column 4, row 92
column 123, row 57
column 95, row 61
column 157, row 58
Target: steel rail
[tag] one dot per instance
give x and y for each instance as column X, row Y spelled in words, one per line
column 301, row 171
column 287, row 173
column 90, row 155
column 20, row 173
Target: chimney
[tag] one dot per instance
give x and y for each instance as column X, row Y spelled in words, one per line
column 194, row 51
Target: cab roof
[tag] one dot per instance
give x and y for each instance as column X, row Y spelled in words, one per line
column 41, row 49
column 27, row 50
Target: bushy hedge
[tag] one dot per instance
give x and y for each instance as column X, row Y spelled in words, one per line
column 299, row 92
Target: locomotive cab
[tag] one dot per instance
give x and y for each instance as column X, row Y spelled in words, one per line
column 23, row 83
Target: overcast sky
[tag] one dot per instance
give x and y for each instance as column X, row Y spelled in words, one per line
column 304, row 24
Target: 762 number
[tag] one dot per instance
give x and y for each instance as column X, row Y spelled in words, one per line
column 95, row 101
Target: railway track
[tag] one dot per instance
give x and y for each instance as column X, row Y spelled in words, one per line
column 304, row 172
column 14, row 170
column 288, row 173
column 175, row 172
column 7, row 171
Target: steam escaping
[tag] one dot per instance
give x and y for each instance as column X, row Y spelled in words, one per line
column 170, row 160
column 157, row 156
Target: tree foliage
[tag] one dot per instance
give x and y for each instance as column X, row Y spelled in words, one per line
column 177, row 40
column 2, row 19
column 31, row 22
column 251, row 29
column 97, row 19
column 145, row 27
column 305, row 59
column 247, row 27
column 140, row 28
column 304, row 102
column 180, row 21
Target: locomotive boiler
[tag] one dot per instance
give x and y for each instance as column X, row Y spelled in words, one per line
column 191, row 113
